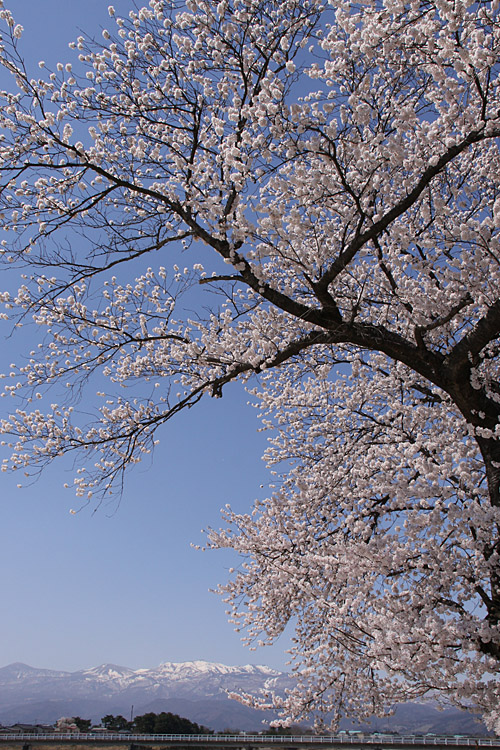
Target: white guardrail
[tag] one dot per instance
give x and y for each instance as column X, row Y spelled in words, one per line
column 349, row 739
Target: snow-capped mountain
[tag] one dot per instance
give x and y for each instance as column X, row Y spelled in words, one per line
column 195, row 677
column 29, row 694
column 187, row 679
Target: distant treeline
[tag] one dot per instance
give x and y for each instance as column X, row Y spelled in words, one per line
column 151, row 723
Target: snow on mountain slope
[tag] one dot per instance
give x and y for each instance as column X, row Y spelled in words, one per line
column 18, row 675
column 180, row 680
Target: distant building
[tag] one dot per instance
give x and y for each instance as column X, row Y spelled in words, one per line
column 27, row 729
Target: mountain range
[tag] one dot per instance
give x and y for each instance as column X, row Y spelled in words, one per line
column 196, row 690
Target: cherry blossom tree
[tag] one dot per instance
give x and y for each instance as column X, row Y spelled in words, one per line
column 304, row 197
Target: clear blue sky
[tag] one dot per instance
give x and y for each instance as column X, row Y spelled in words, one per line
column 123, row 585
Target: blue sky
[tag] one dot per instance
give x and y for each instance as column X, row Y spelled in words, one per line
column 123, row 584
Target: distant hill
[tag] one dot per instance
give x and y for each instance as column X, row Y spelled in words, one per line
column 196, row 690
column 191, row 689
